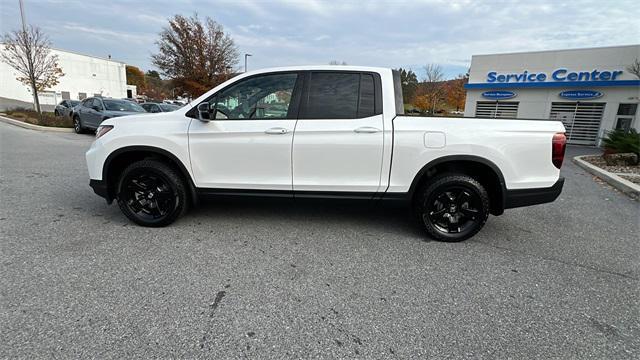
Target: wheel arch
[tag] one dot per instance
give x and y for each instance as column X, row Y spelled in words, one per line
column 119, row 159
column 478, row 167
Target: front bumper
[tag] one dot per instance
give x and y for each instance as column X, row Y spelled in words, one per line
column 526, row 197
column 100, row 187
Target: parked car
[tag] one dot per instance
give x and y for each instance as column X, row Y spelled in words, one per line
column 159, row 107
column 341, row 131
column 91, row 112
column 64, row 107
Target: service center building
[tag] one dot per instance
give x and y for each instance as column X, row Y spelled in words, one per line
column 590, row 90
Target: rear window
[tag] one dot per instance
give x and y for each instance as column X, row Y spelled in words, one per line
column 367, row 96
column 333, row 96
column 168, row 107
column 122, row 105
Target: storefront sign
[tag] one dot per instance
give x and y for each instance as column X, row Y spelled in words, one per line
column 580, row 94
column 498, row 95
column 557, row 75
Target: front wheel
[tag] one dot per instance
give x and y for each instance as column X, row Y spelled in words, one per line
column 77, row 125
column 452, row 207
column 151, row 193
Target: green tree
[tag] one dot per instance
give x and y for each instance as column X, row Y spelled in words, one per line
column 409, row 82
column 152, row 74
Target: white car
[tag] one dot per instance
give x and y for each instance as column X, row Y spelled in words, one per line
column 325, row 131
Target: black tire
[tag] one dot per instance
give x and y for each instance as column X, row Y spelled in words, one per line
column 452, row 207
column 77, row 125
column 151, row 193
column 56, row 113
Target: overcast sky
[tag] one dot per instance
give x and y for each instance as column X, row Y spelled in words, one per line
column 396, row 33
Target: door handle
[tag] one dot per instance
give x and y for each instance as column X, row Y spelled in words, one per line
column 276, row 131
column 367, row 130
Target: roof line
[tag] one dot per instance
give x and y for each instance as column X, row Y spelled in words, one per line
column 560, row 50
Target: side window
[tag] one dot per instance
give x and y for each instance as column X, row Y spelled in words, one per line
column 145, row 107
column 261, row 97
column 97, row 102
column 366, row 106
column 333, row 96
column 87, row 103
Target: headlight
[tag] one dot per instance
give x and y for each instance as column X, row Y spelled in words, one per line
column 103, row 129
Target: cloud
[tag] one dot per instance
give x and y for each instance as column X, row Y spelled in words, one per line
column 407, row 33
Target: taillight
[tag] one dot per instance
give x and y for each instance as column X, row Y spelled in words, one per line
column 558, row 146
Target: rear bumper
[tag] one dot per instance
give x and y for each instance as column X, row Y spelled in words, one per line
column 526, row 197
column 100, row 187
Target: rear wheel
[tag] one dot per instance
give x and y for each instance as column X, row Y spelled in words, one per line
column 452, row 207
column 77, row 125
column 151, row 193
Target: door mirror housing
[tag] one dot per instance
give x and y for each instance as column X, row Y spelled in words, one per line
column 205, row 113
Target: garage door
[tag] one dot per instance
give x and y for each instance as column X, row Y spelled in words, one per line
column 582, row 120
column 497, row 109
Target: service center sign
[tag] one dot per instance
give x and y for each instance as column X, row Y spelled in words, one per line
column 558, row 75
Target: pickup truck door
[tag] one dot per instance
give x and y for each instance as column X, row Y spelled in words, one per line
column 248, row 143
column 338, row 141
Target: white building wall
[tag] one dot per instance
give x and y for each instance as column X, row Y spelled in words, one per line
column 82, row 74
column 535, row 103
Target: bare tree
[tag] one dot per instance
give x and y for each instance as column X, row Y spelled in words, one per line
column 431, row 91
column 196, row 55
column 28, row 52
column 635, row 68
column 336, row 62
column 433, row 73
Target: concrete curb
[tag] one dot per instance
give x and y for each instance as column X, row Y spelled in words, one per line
column 612, row 179
column 33, row 127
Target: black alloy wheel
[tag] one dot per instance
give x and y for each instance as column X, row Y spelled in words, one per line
column 151, row 193
column 453, row 207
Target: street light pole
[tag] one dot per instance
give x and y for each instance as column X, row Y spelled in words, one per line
column 24, row 21
column 245, row 61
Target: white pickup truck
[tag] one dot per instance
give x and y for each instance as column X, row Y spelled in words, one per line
column 325, row 131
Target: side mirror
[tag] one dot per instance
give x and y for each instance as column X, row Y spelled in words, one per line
column 204, row 112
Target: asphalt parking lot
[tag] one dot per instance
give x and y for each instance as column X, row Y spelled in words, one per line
column 307, row 280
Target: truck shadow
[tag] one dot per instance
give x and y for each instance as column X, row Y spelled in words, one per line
column 330, row 215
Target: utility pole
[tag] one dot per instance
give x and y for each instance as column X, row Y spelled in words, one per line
column 245, row 60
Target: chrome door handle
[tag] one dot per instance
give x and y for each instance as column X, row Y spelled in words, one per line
column 367, row 130
column 276, row 131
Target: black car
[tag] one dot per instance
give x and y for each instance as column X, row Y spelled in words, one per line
column 65, row 106
column 159, row 107
column 91, row 112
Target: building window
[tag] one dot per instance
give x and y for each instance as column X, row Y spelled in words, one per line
column 627, row 109
column 580, row 119
column 497, row 109
column 625, row 116
column 82, row 96
column 66, row 95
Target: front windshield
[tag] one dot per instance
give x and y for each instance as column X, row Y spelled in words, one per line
column 122, row 105
column 168, row 108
